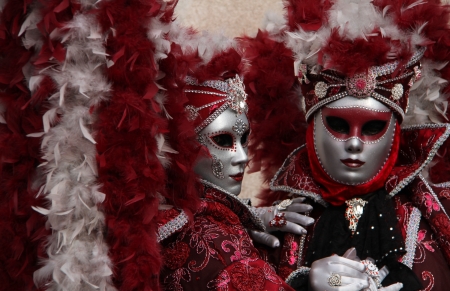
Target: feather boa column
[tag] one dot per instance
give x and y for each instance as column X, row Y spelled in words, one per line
column 180, row 156
column 73, row 57
column 22, row 229
column 272, row 100
column 131, row 141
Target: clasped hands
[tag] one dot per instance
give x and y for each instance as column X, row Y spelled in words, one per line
column 348, row 273
column 282, row 217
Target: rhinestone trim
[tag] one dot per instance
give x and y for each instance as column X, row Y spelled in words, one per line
column 358, row 106
column 369, row 84
column 172, row 226
column 431, row 154
column 389, row 68
column 255, row 218
column 389, row 103
column 411, row 237
column 432, row 193
column 324, row 102
column 212, row 117
column 443, row 185
column 205, row 92
column 215, row 84
column 314, row 196
column 364, row 142
column 397, row 91
column 301, row 247
column 302, row 271
column 342, row 182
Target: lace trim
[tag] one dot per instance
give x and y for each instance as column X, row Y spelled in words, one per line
column 314, row 196
column 412, row 233
column 172, row 226
column 254, row 217
column 302, row 271
column 431, row 154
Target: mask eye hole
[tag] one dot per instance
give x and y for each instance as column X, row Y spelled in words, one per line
column 224, row 140
column 373, row 127
column 244, row 138
column 338, row 124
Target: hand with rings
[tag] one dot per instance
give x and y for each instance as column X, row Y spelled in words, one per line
column 348, row 273
column 338, row 274
column 282, row 217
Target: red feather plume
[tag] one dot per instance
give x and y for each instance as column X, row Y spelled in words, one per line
column 277, row 122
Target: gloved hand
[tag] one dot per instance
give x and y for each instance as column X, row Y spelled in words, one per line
column 375, row 283
column 337, row 273
column 291, row 223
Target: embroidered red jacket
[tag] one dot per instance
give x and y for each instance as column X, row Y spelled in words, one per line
column 214, row 251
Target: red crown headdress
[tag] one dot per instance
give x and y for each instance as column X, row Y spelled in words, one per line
column 383, row 83
column 209, row 99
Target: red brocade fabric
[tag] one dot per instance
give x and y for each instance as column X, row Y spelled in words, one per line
column 430, row 232
column 215, row 252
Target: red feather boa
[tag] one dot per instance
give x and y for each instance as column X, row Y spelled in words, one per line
column 277, row 122
column 129, row 170
column 22, row 229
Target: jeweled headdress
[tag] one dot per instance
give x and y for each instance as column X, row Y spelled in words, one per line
column 209, row 99
column 384, row 83
column 367, row 48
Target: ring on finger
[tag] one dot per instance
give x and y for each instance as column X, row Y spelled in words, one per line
column 278, row 221
column 334, row 280
column 284, row 204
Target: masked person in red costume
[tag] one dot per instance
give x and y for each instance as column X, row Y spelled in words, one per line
column 213, row 250
column 367, row 71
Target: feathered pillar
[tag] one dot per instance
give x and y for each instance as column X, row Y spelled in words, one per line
column 72, row 58
column 22, row 229
column 130, row 140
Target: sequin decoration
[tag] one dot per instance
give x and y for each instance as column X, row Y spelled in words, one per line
column 321, row 90
column 354, row 211
column 237, row 95
column 240, row 127
column 361, row 85
column 397, row 91
column 217, row 167
column 192, row 112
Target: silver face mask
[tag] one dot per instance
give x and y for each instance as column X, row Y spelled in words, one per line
column 226, row 139
column 353, row 139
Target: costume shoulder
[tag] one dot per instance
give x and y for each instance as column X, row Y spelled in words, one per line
column 294, row 176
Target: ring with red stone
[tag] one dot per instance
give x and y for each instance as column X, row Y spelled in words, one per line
column 278, row 221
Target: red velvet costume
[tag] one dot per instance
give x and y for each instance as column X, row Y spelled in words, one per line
column 214, row 252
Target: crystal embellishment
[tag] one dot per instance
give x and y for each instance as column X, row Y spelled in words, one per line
column 361, row 85
column 237, row 95
column 192, row 112
column 240, row 127
column 397, row 91
column 321, row 90
column 354, row 211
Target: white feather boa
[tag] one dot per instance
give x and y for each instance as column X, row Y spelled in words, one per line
column 78, row 255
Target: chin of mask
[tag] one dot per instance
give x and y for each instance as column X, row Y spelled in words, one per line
column 353, row 139
column 226, row 139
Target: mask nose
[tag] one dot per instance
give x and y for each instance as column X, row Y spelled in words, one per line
column 354, row 145
column 241, row 156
